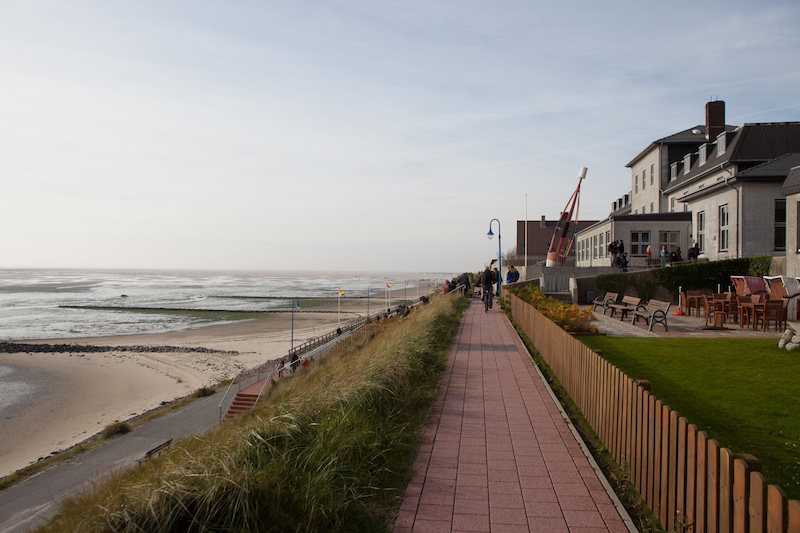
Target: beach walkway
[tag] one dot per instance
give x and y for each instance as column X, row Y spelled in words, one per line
column 498, row 454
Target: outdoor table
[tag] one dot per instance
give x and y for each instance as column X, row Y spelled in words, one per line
column 747, row 313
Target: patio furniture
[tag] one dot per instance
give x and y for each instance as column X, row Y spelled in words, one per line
column 609, row 298
column 628, row 304
column 694, row 301
column 709, row 306
column 654, row 313
column 773, row 311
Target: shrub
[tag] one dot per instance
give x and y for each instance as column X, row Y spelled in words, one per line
column 116, row 428
column 202, row 392
column 568, row 317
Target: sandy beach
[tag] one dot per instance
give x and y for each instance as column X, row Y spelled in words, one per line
column 73, row 396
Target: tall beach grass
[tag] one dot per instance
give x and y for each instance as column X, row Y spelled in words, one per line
column 330, row 449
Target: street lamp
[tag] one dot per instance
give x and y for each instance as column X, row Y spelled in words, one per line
column 499, row 254
column 297, row 304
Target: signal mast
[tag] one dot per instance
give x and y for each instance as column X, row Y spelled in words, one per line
column 564, row 233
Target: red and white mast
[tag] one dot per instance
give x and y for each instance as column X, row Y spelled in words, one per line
column 564, row 233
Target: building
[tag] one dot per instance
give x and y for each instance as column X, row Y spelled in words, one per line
column 714, row 184
column 540, row 233
column 791, row 190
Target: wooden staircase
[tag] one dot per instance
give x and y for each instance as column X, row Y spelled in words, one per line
column 245, row 399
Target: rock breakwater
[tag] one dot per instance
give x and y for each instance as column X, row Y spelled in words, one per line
column 13, row 347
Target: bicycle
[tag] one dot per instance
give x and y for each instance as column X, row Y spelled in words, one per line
column 487, row 300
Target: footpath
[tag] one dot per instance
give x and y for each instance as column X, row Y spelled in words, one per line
column 29, row 503
column 499, row 455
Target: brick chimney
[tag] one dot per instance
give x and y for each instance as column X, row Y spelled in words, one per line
column 715, row 119
column 543, row 223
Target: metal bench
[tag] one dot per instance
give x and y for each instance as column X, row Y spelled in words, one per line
column 654, row 313
column 628, row 303
column 605, row 301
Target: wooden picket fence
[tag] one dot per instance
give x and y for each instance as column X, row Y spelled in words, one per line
column 689, row 481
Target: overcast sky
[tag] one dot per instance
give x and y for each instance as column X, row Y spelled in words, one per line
column 350, row 135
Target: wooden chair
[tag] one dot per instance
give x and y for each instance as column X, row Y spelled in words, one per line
column 695, row 301
column 709, row 306
column 733, row 309
column 685, row 308
column 774, row 311
column 744, row 312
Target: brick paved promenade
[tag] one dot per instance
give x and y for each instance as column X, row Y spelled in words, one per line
column 497, row 454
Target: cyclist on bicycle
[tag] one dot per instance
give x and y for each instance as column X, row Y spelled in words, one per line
column 488, row 278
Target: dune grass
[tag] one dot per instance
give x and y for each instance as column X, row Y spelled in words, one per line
column 742, row 392
column 330, row 449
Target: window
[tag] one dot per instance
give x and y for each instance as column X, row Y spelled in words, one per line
column 644, row 178
column 644, row 209
column 672, row 204
column 702, row 156
column 687, row 163
column 780, row 224
column 640, row 240
column 721, row 141
column 652, row 207
column 701, row 231
column 608, row 241
column 670, row 239
column 652, row 172
column 594, row 248
column 673, row 171
column 602, row 247
column 636, row 185
column 723, row 228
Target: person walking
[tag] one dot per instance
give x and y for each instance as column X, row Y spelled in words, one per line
column 663, row 256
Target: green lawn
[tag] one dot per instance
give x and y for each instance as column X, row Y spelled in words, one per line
column 744, row 393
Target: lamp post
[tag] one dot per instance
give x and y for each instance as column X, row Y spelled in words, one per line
column 297, row 304
column 499, row 254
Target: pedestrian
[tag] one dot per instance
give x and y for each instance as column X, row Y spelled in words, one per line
column 281, row 365
column 488, row 278
column 663, row 256
column 623, row 262
column 649, row 254
column 294, row 361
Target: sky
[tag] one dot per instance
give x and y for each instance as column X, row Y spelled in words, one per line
column 347, row 134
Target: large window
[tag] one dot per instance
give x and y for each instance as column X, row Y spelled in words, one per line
column 670, row 239
column 724, row 241
column 644, row 178
column 636, row 184
column 639, row 242
column 608, row 241
column 701, row 231
column 780, row 224
column 652, row 172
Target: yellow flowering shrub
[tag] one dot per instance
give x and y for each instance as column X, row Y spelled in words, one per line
column 568, row 317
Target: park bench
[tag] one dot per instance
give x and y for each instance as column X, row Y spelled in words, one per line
column 155, row 451
column 605, row 301
column 628, row 303
column 654, row 313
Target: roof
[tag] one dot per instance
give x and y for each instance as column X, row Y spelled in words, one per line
column 695, row 136
column 650, row 217
column 792, row 183
column 775, row 168
column 749, row 144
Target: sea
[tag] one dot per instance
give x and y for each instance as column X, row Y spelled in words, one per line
column 37, row 304
column 46, row 304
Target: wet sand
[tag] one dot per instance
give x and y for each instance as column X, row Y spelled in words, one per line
column 73, row 396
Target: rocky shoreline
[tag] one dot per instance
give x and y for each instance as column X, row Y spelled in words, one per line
column 13, row 347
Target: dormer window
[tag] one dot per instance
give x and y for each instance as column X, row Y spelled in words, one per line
column 673, row 171
column 687, row 163
column 702, row 155
column 721, row 143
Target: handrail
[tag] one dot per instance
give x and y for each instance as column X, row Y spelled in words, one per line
column 306, row 350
